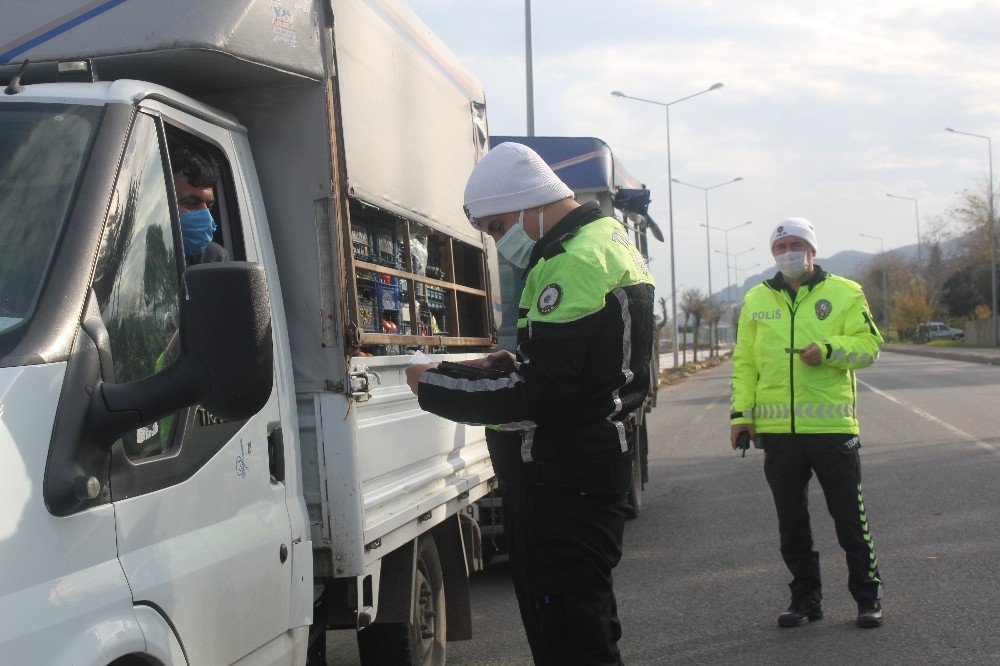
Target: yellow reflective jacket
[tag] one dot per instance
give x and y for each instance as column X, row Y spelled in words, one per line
column 772, row 389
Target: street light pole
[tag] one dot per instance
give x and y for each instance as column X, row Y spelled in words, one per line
column 885, row 290
column 708, row 240
column 528, row 70
column 744, row 271
column 916, row 210
column 729, row 285
column 736, row 266
column 736, row 269
column 670, row 198
column 993, row 234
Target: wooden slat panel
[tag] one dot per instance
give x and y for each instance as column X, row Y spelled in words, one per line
column 451, row 302
column 431, row 340
column 419, row 278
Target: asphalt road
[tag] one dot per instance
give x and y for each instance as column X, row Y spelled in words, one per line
column 702, row 581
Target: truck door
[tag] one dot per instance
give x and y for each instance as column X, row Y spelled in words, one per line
column 203, row 529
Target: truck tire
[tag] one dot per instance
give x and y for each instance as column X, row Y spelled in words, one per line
column 634, row 498
column 421, row 641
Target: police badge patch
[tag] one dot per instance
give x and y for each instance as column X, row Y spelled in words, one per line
column 823, row 308
column 549, row 298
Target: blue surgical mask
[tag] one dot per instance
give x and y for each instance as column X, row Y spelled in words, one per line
column 516, row 244
column 197, row 228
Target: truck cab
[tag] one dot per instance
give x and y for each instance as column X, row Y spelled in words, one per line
column 137, row 473
column 218, row 461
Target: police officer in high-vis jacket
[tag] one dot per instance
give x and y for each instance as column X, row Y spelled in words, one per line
column 801, row 337
column 563, row 440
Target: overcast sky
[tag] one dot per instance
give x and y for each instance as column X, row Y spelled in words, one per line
column 826, row 107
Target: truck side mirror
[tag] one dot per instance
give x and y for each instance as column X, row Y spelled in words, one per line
column 226, row 361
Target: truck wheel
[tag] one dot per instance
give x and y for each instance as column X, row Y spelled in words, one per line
column 634, row 498
column 421, row 641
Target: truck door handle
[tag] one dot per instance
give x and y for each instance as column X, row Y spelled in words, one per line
column 276, row 455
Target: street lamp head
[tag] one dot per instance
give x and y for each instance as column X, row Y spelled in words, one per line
column 715, row 86
column 948, row 129
column 737, row 179
column 617, row 93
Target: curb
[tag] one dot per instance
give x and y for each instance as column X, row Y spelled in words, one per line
column 968, row 357
column 677, row 375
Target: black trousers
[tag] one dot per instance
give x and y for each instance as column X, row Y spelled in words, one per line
column 563, row 545
column 788, row 466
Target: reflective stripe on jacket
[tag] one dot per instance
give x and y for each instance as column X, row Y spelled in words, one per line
column 772, row 389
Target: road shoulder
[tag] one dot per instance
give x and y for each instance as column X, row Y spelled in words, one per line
column 990, row 356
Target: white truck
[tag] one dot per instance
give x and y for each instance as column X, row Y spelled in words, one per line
column 272, row 477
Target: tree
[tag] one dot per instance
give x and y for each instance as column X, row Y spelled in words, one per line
column 972, row 212
column 966, row 289
column 981, row 313
column 663, row 321
column 935, row 267
column 871, row 284
column 969, row 275
column 912, row 307
column 682, row 332
column 159, row 276
column 713, row 314
column 693, row 304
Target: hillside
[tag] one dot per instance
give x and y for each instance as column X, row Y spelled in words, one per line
column 848, row 264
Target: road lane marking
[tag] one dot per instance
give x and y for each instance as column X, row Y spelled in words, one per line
column 985, row 446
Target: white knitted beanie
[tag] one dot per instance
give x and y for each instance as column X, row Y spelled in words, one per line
column 799, row 227
column 511, row 177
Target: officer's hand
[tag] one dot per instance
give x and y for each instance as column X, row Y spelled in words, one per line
column 501, row 360
column 812, row 355
column 413, row 373
column 735, row 430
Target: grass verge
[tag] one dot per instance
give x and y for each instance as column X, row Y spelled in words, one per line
column 675, row 375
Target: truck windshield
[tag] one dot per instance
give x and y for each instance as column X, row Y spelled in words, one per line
column 42, row 151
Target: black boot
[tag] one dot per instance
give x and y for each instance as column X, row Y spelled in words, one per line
column 870, row 614
column 801, row 611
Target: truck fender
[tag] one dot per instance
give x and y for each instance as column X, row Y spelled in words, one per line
column 455, row 571
column 369, row 585
column 162, row 642
column 394, row 588
column 112, row 638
